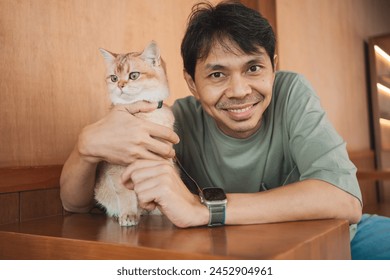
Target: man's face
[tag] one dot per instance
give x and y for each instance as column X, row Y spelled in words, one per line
column 234, row 88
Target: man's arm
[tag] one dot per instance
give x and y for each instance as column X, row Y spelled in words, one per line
column 77, row 183
column 158, row 185
column 118, row 138
column 304, row 200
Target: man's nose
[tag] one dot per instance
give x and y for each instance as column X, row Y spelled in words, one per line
column 238, row 86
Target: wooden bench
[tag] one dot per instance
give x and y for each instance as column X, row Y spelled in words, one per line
column 35, row 226
column 28, row 193
column 380, row 208
column 32, row 214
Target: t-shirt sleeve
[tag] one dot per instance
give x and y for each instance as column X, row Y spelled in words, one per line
column 317, row 148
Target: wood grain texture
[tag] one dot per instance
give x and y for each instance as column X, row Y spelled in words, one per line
column 14, row 179
column 324, row 41
column 52, row 74
column 29, row 193
column 40, row 203
column 374, row 175
column 382, row 208
column 365, row 160
column 9, row 208
column 369, row 177
column 266, row 7
column 84, row 236
column 380, row 107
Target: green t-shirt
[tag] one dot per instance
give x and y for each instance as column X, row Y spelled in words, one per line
column 295, row 142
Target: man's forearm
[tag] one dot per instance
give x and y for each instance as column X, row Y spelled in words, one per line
column 77, row 183
column 310, row 199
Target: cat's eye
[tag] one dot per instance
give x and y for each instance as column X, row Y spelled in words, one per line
column 114, row 78
column 134, row 75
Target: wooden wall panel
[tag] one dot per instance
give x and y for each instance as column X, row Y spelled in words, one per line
column 324, row 40
column 29, row 178
column 29, row 193
column 9, row 208
column 266, row 7
column 52, row 74
column 365, row 160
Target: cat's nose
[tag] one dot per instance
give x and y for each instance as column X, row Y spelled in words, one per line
column 121, row 84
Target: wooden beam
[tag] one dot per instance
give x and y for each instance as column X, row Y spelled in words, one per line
column 15, row 179
column 373, row 175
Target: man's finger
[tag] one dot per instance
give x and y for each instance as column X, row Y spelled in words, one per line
column 138, row 107
column 139, row 164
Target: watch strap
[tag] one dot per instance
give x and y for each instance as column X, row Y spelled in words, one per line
column 217, row 215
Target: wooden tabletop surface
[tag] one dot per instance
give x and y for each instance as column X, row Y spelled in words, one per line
column 95, row 236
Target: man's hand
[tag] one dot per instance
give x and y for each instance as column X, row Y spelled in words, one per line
column 121, row 138
column 158, row 184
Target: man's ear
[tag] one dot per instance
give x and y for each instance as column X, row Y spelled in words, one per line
column 276, row 60
column 191, row 84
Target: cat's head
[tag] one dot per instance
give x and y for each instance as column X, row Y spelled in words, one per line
column 135, row 76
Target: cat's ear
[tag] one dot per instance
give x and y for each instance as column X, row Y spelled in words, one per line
column 151, row 54
column 108, row 56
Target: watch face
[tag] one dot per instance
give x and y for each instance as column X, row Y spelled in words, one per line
column 212, row 194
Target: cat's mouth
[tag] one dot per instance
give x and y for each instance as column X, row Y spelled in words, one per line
column 122, row 92
column 126, row 94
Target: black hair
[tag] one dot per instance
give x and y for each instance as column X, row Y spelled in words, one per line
column 228, row 21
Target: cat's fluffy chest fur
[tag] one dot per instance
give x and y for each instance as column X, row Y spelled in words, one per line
column 131, row 77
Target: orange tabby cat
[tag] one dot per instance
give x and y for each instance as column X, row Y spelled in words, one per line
column 131, row 77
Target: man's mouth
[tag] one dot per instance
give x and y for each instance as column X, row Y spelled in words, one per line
column 233, row 104
column 241, row 110
column 241, row 113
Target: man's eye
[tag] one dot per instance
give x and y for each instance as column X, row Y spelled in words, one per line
column 216, row 75
column 114, row 78
column 134, row 75
column 254, row 68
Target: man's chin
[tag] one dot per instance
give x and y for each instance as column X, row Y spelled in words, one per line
column 241, row 129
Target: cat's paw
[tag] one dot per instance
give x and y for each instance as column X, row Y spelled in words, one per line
column 155, row 212
column 128, row 220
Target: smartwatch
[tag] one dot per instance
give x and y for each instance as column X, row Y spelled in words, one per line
column 215, row 200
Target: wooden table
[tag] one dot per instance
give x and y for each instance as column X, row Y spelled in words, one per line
column 94, row 236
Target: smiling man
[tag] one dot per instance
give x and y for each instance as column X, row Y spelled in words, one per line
column 248, row 129
column 234, row 88
column 255, row 142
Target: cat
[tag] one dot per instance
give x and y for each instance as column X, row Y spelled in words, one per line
column 131, row 77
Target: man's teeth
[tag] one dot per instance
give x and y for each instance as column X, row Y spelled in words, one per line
column 240, row 110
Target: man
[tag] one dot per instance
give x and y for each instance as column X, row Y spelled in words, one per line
column 258, row 135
